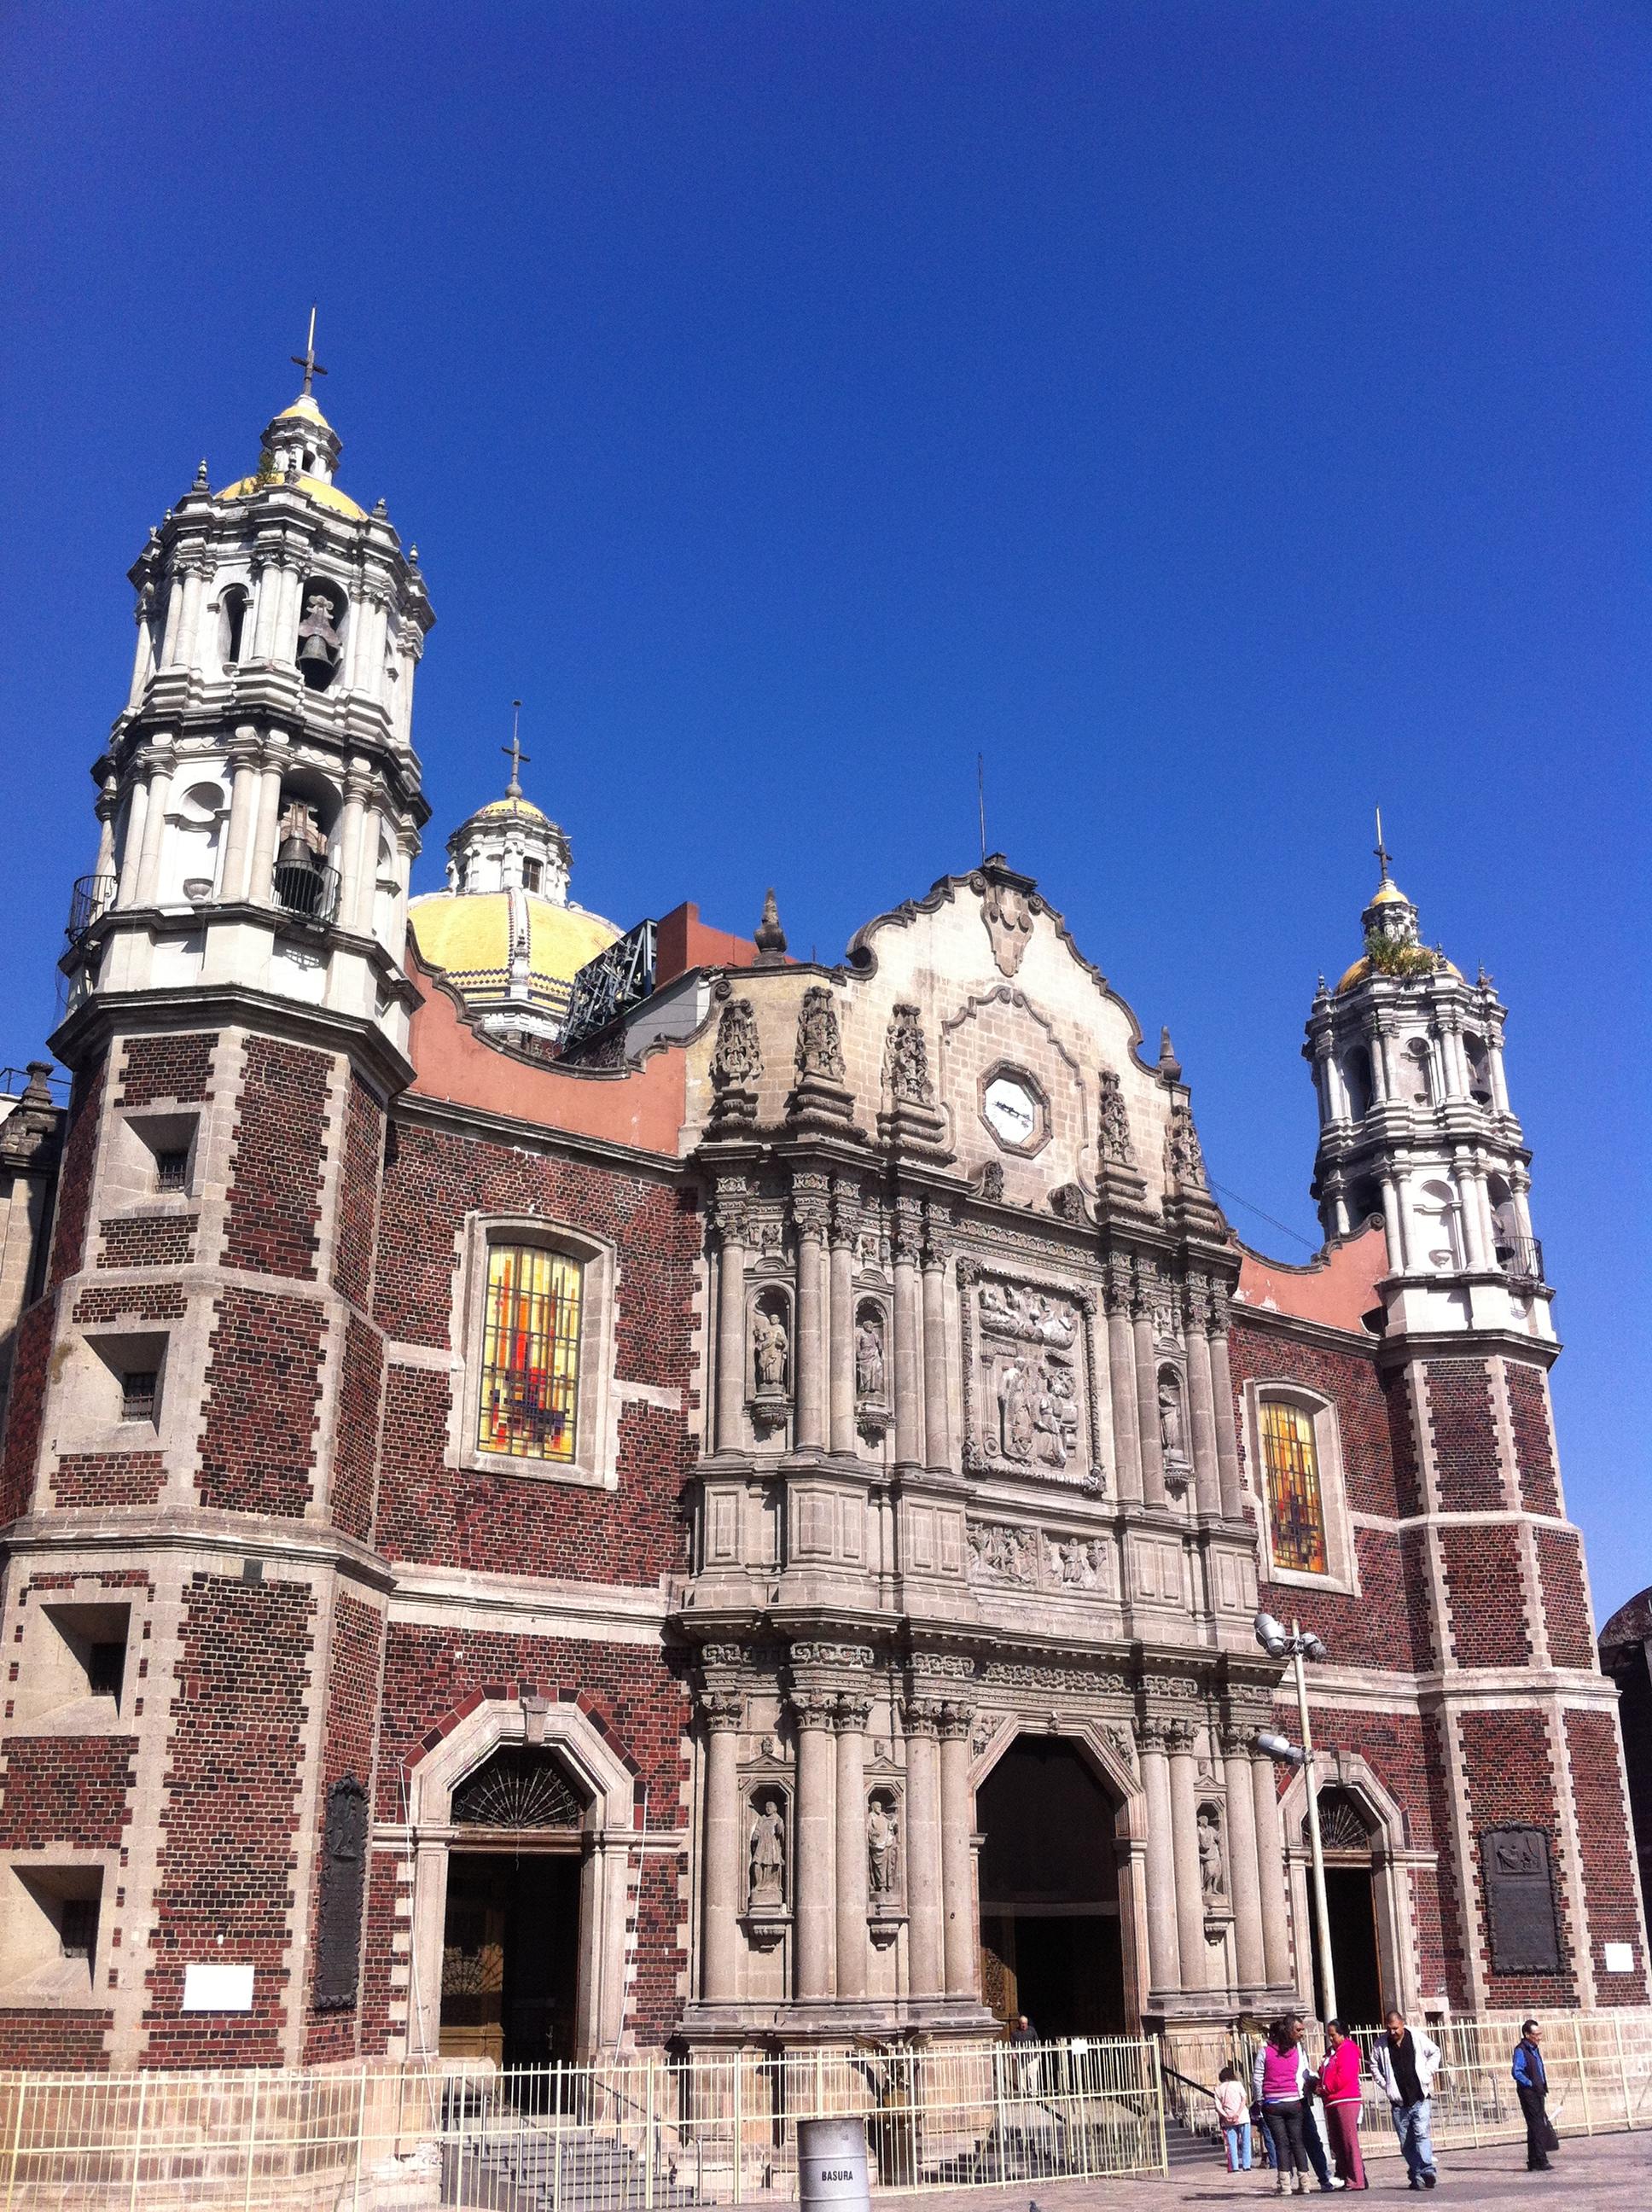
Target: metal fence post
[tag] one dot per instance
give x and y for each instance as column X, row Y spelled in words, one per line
column 1583, row 2074
column 1157, row 2079
column 17, row 2137
column 648, row 2147
column 360, row 2137
column 252, row 2140
column 739, row 2126
column 1623, row 2069
column 137, row 2139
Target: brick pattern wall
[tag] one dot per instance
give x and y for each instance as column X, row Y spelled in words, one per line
column 1402, row 1442
column 66, row 1790
column 263, row 1387
column 104, row 1303
column 276, row 1174
column 170, row 1068
column 1528, row 1418
column 1387, row 1625
column 55, row 2042
column 358, row 1193
column 74, row 1174
column 1465, row 1432
column 26, row 1407
column 116, row 1477
column 1453, row 1960
column 383, row 1927
column 356, row 1440
column 1487, row 1596
column 148, row 1240
column 1506, row 1770
column 229, row 1820
column 352, row 1714
column 1349, row 1381
column 1565, row 1606
column 1609, row 1883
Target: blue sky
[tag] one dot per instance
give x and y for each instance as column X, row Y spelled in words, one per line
column 1220, row 416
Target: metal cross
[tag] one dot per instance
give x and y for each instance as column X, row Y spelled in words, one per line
column 307, row 360
column 1383, row 855
column 514, row 788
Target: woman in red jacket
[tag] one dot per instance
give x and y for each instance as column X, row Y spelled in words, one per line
column 1339, row 2085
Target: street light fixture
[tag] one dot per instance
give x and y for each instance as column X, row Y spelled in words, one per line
column 1296, row 1644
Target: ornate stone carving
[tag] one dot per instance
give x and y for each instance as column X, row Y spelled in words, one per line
column 870, row 1385
column 1124, row 1743
column 768, row 936
column 955, row 1720
column 820, row 1046
column 1184, row 1161
column 909, row 1235
column 989, row 1183
column 832, row 1655
column 1212, row 1859
column 811, row 1203
column 906, row 1058
column 1087, row 1681
column 722, row 1709
column 1155, row 1732
column 1028, row 1379
column 851, row 1714
column 1068, row 1203
column 737, row 1057
column 1183, row 1735
column 814, row 1709
column 766, row 1853
column 771, row 1346
column 921, row 1715
column 1001, row 1553
column 1115, row 1122
column 1077, row 1563
column 1008, row 915
column 339, row 1918
column 948, row 1666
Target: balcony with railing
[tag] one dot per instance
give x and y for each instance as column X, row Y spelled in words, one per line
column 1521, row 1258
column 92, row 898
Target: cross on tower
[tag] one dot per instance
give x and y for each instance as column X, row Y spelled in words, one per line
column 307, row 360
column 1383, row 855
column 515, row 752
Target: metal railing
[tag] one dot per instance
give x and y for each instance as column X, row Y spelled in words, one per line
column 1521, row 1258
column 630, row 2134
column 312, row 893
column 90, row 900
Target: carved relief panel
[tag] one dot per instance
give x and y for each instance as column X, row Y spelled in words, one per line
column 1029, row 1380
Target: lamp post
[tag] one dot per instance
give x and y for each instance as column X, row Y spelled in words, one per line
column 1296, row 1645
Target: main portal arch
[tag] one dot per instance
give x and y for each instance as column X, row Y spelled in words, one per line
column 1052, row 1935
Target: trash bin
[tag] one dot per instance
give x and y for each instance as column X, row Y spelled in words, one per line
column 832, row 2166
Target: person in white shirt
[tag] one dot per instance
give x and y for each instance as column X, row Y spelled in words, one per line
column 1406, row 2062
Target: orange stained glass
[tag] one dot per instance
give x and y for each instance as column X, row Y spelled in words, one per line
column 530, row 1354
column 1294, row 1503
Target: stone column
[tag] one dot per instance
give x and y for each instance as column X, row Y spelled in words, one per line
column 286, row 642
column 172, row 636
column 808, row 1213
column 189, row 629
column 1394, row 1221
column 937, row 1447
column 1244, row 1884
column 957, row 1852
column 731, row 1313
column 1152, row 1447
column 1184, row 1829
column 350, row 851
column 263, row 885
column 1270, row 1871
column 840, row 1384
column 1381, row 1065
column 724, row 1862
column 154, row 830
column 908, row 1425
column 1227, row 1443
column 1202, row 1398
column 925, row 1950
column 814, row 1883
column 132, row 850
column 267, row 586
column 109, row 806
column 1121, row 1376
column 1162, row 1948
column 853, row 1713
column 1473, row 1210
column 143, row 654
column 243, row 811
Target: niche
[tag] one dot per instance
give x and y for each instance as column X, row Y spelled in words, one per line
column 1419, row 1072
column 1479, row 1068
column 1357, row 1080
column 885, row 1871
column 320, row 632
column 306, row 883
column 233, row 605
column 1437, row 1217
column 189, row 866
column 771, row 1349
column 871, row 1393
column 1173, row 1431
column 767, row 1886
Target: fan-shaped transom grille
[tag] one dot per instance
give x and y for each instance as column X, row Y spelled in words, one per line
column 1342, row 1825
column 520, row 1787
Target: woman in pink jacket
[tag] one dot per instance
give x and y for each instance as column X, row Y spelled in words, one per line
column 1339, row 2085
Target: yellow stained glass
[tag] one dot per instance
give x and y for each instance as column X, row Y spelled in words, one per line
column 1295, row 1505
column 530, row 1354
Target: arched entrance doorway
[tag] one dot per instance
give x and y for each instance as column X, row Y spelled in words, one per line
column 1351, row 1909
column 1049, row 1891
column 510, row 1958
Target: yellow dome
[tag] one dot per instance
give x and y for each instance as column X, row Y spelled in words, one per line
column 1388, row 894
column 324, row 495
column 305, row 409
column 469, row 935
column 1362, row 968
column 497, row 807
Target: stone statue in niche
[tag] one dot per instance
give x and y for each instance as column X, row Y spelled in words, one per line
column 883, row 1849
column 1115, row 1123
column 1212, row 1861
column 869, row 1357
column 820, row 1046
column 765, row 1881
column 1170, row 1434
column 320, row 644
column 1184, row 1162
column 769, row 1346
column 906, row 1058
column 738, row 1060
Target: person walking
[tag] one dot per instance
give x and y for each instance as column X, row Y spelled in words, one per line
column 1313, row 2131
column 1279, row 2079
column 1339, row 2084
column 1531, row 2087
column 1233, row 2110
column 1405, row 2064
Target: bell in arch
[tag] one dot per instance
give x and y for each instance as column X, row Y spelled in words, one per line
column 320, row 644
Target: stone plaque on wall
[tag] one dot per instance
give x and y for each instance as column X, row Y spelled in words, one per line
column 1519, row 1901
column 1029, row 1385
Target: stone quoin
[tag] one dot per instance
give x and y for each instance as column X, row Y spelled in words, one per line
column 569, row 1486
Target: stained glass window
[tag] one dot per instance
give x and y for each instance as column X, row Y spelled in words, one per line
column 530, row 1353
column 1294, row 1503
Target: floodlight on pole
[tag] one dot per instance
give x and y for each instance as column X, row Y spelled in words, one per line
column 1297, row 1644
column 1280, row 1748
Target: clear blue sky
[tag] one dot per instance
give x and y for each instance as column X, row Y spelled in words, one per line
column 1222, row 416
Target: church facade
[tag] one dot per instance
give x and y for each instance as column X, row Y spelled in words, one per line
column 743, row 1522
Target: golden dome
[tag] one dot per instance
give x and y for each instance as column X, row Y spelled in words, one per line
column 1388, row 894
column 497, row 808
column 305, row 409
column 1362, row 968
column 468, row 934
column 324, row 495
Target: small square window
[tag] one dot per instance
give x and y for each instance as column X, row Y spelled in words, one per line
column 532, row 871
column 171, row 1170
column 138, row 1395
column 78, row 1927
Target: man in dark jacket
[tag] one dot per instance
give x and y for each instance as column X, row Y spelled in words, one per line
column 1532, row 2087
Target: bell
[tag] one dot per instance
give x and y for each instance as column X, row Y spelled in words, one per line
column 296, row 853
column 314, row 647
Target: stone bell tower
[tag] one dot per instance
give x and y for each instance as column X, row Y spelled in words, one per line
column 191, row 1590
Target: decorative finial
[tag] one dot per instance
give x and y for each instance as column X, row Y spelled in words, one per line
column 1383, row 855
column 307, row 360
column 1169, row 1067
column 379, row 508
column 768, row 936
column 514, row 788
column 201, row 484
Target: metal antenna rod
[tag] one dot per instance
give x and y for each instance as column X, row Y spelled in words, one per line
column 980, row 802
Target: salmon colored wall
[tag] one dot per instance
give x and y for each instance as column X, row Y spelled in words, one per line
column 1337, row 1287
column 683, row 941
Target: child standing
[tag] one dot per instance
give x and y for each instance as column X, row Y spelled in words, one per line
column 1233, row 2110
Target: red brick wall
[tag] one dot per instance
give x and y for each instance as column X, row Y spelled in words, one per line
column 1487, row 1596
column 1506, row 1768
column 1465, row 1433
column 148, row 1240
column 66, row 1790
column 167, row 1067
column 358, row 1193
column 1609, row 1885
column 352, row 1718
column 229, row 1820
column 262, row 1387
column 382, row 1928
column 1387, row 1623
column 1529, row 1418
column 55, row 2042
column 276, row 1174
column 1453, row 1960
column 1366, row 1412
column 26, row 1407
column 356, row 1440
column 74, row 1198
column 1565, row 1608
column 123, row 1478
column 130, row 1302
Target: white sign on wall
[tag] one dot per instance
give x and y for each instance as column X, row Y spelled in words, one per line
column 1620, row 1958
column 217, row 1988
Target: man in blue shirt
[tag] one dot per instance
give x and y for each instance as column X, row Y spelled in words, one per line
column 1532, row 2087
